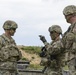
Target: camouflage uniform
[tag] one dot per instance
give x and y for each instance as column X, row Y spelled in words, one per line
column 69, row 39
column 9, row 53
column 54, row 56
column 55, row 65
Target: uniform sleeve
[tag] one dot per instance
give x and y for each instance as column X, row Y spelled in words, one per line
column 1, row 41
column 1, row 54
column 55, row 48
column 73, row 48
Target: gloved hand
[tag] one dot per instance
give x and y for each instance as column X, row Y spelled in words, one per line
column 43, row 52
column 42, row 38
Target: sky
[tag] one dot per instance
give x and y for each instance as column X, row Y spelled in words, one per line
column 33, row 17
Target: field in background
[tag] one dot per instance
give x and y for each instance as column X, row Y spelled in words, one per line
column 31, row 54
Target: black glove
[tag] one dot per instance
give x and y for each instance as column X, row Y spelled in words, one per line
column 42, row 38
column 43, row 52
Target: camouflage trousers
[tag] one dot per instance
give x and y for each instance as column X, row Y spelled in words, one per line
column 48, row 71
column 6, row 72
column 72, row 67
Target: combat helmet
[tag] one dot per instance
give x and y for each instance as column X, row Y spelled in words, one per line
column 56, row 28
column 10, row 25
column 71, row 9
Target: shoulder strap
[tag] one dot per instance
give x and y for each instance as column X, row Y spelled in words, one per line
column 69, row 29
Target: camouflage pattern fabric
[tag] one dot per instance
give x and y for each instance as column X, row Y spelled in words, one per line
column 9, row 55
column 54, row 56
column 10, row 25
column 71, row 65
column 52, row 72
column 5, row 72
column 71, row 9
column 70, row 48
column 56, row 28
column 54, row 52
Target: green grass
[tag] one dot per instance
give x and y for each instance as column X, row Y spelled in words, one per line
column 35, row 66
column 32, row 49
column 35, row 50
column 24, row 59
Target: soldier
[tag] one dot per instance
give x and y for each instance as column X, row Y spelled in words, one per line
column 69, row 39
column 9, row 53
column 54, row 51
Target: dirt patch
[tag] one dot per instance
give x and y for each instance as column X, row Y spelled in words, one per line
column 33, row 58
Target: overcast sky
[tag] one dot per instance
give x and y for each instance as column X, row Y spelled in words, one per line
column 33, row 17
